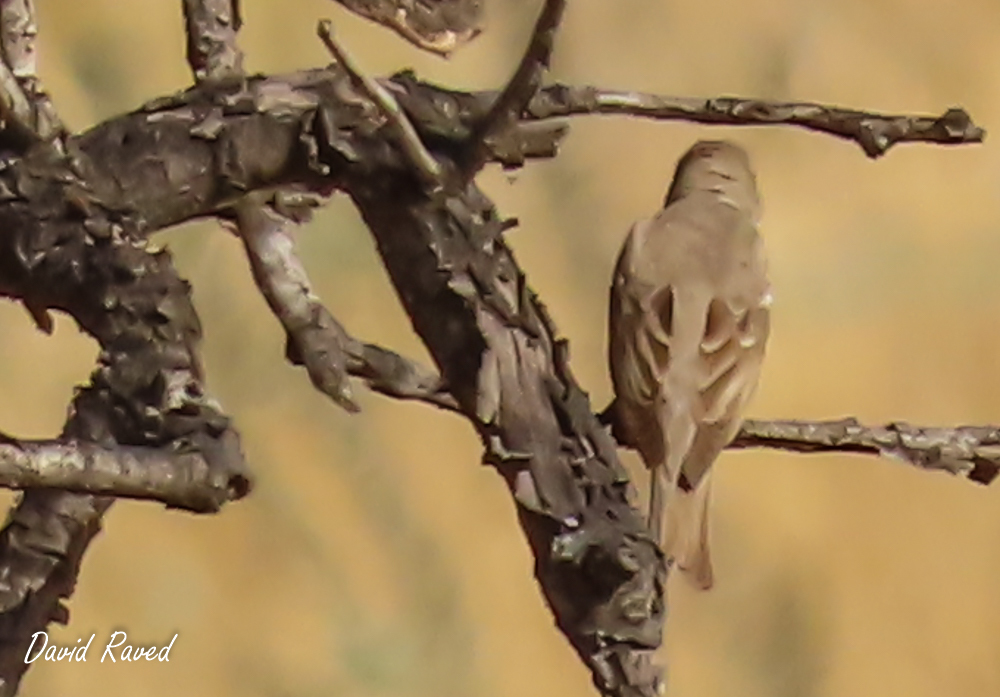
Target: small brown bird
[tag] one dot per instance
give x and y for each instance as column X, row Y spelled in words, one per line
column 689, row 321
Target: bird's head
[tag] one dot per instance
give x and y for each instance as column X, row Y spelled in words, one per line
column 717, row 166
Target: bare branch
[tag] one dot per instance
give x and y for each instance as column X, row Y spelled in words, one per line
column 25, row 107
column 875, row 133
column 178, row 479
column 467, row 298
column 966, row 451
column 506, row 110
column 400, row 128
column 211, row 27
column 18, row 31
column 393, row 375
column 439, row 26
column 315, row 338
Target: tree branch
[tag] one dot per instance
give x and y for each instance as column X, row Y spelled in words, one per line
column 874, row 132
column 26, row 108
column 175, row 478
column 146, row 391
column 75, row 244
column 439, row 26
column 508, row 106
column 315, row 338
column 211, row 27
column 400, row 128
column 967, row 451
column 449, row 114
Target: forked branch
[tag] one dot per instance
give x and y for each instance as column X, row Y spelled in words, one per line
column 508, row 106
column 315, row 339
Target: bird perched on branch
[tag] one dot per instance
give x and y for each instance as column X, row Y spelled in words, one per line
column 689, row 320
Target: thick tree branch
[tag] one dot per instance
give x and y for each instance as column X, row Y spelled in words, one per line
column 178, row 479
column 438, row 26
column 506, row 110
column 875, row 133
column 599, row 569
column 146, row 391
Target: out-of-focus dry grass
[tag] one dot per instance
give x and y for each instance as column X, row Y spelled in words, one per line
column 377, row 558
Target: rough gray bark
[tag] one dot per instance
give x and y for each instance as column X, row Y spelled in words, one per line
column 77, row 211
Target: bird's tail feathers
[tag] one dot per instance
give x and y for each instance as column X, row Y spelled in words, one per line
column 679, row 521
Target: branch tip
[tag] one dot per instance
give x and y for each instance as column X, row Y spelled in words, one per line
column 522, row 87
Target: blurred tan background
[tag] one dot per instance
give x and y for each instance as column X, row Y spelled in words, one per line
column 376, row 557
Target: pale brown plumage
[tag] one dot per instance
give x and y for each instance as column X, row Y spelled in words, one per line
column 689, row 321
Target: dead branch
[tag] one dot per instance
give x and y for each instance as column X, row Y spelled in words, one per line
column 400, row 128
column 448, row 115
column 875, row 133
column 146, row 391
column 178, row 479
column 508, row 106
column 966, row 451
column 211, row 27
column 972, row 452
column 77, row 229
column 315, row 338
column 26, row 108
column 439, row 26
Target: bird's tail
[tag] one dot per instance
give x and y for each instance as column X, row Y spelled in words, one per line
column 678, row 519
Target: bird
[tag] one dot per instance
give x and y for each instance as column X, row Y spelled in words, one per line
column 689, row 319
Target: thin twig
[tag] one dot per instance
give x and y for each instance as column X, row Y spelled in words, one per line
column 211, row 27
column 515, row 97
column 875, row 133
column 399, row 124
column 440, row 27
column 966, row 451
column 315, row 338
